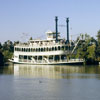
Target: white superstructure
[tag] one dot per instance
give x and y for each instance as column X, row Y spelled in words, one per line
column 47, row 51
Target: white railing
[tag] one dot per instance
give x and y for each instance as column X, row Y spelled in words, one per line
column 51, row 61
column 40, row 45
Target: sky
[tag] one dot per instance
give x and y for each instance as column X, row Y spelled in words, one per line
column 21, row 19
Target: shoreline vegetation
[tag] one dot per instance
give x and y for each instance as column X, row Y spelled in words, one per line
column 88, row 49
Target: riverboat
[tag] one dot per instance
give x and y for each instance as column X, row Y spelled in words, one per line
column 53, row 50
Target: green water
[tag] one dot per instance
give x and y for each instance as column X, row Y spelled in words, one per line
column 44, row 82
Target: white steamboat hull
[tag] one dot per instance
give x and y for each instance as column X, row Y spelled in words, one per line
column 52, row 63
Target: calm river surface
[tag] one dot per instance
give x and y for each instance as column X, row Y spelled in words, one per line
column 30, row 82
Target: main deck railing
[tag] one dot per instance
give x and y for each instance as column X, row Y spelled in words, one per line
column 50, row 61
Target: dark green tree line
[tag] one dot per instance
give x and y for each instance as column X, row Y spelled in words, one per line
column 7, row 49
column 89, row 49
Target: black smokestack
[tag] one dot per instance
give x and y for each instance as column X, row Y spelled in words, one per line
column 56, row 24
column 67, row 21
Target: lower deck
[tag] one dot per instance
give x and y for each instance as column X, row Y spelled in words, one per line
column 54, row 63
column 53, row 59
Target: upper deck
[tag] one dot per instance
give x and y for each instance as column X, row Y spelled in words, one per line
column 49, row 42
column 42, row 43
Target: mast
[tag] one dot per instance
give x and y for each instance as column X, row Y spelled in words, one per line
column 56, row 27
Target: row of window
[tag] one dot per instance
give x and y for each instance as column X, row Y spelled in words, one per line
column 56, row 57
column 42, row 49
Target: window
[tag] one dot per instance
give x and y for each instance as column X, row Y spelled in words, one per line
column 55, row 48
column 58, row 47
column 41, row 49
column 49, row 49
column 29, row 57
column 20, row 56
column 62, row 47
column 52, row 48
column 36, row 49
column 66, row 47
column 25, row 57
column 29, row 49
column 44, row 49
column 24, row 49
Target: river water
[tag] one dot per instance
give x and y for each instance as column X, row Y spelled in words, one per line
column 44, row 82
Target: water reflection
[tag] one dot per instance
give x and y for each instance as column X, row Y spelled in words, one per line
column 56, row 71
column 44, row 82
column 52, row 71
column 9, row 69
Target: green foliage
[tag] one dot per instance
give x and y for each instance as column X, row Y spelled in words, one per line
column 7, row 50
column 98, row 46
column 1, row 59
column 7, row 55
column 87, row 49
column 31, row 38
column 98, row 37
column 91, row 52
column 16, row 42
column 8, row 45
column 0, row 46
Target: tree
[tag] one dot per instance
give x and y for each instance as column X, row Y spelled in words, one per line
column 7, row 50
column 98, row 37
column 31, row 38
column 98, row 46
column 16, row 42
column 8, row 45
column 7, row 55
column 87, row 49
column 91, row 53
column 1, row 59
column 0, row 46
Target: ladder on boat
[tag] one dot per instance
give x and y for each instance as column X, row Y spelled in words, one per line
column 75, row 46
